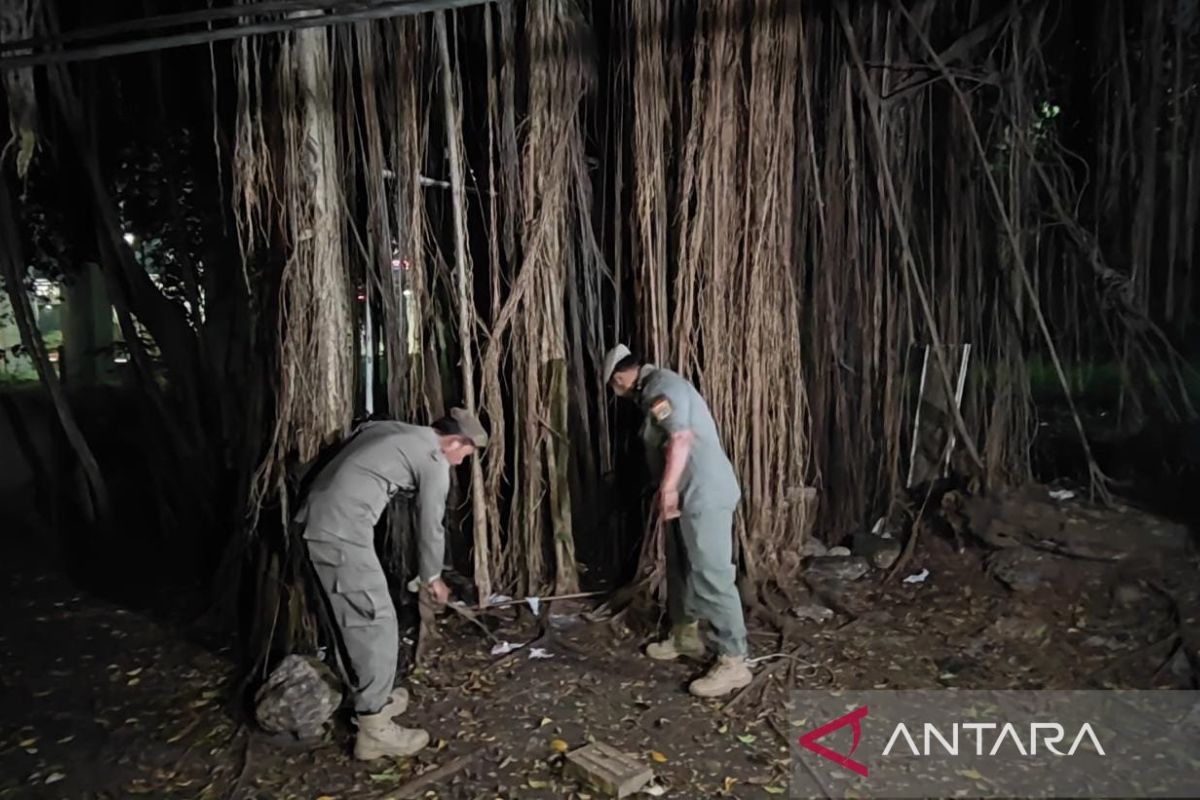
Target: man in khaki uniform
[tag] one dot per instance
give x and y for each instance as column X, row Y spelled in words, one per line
column 697, row 487
column 339, row 514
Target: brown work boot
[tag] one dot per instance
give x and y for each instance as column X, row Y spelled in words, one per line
column 684, row 640
column 728, row 674
column 378, row 737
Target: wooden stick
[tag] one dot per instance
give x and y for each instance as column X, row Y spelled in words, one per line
column 467, row 614
column 412, row 787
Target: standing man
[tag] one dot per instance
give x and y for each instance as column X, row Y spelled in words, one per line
column 346, row 499
column 696, row 486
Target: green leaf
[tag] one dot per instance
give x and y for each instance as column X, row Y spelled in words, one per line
column 387, row 776
column 747, row 738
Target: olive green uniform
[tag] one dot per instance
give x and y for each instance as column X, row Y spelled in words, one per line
column 700, row 571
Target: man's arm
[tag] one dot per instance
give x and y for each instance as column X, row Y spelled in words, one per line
column 678, row 448
column 431, row 510
column 670, row 411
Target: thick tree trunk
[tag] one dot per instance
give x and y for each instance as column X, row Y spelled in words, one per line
column 329, row 400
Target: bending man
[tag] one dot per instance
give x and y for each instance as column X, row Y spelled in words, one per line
column 696, row 486
column 346, row 499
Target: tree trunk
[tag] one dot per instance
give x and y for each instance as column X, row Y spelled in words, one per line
column 316, row 387
column 11, row 262
column 558, row 465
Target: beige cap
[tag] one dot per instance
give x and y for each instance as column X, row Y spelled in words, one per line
column 470, row 427
column 611, row 359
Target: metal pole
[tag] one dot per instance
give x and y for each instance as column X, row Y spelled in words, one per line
column 387, row 11
column 157, row 21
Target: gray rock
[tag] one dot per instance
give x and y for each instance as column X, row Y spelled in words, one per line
column 842, row 568
column 813, row 612
column 838, row 551
column 298, row 697
column 813, row 547
column 1022, row 569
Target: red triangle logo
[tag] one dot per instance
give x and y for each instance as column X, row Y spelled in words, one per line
column 854, row 719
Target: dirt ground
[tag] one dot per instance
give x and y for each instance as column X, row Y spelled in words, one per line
column 103, row 702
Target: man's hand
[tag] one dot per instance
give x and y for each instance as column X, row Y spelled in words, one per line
column 439, row 591
column 668, row 504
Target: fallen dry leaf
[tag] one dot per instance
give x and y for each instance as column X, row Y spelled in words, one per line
column 657, row 756
column 559, row 746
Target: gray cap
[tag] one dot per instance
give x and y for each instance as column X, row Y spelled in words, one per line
column 611, row 359
column 470, row 427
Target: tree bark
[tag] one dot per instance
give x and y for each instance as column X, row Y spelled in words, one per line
column 327, row 388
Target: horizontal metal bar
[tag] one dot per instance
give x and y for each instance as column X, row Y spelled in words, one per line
column 159, row 21
column 385, row 11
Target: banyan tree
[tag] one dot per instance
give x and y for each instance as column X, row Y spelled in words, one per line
column 819, row 212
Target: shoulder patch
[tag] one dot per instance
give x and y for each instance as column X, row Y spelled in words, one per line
column 660, row 408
